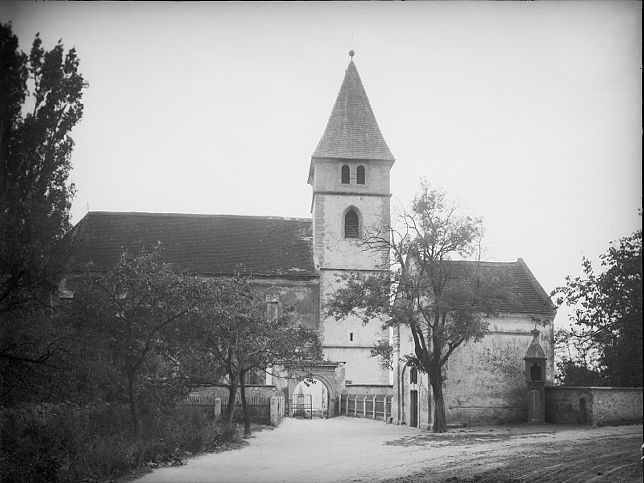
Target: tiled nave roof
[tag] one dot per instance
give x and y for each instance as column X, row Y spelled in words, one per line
column 201, row 244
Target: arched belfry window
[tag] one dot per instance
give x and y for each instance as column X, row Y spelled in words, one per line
column 351, row 224
column 360, row 175
column 345, row 174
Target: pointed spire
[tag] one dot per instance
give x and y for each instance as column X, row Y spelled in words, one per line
column 352, row 131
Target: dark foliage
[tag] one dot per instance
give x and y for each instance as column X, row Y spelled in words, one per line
column 607, row 323
column 233, row 334
column 62, row 443
column 125, row 319
column 35, row 198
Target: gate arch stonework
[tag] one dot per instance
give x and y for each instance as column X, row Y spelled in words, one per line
column 332, row 376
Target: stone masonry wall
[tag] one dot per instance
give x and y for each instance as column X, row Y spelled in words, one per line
column 301, row 296
column 328, row 176
column 347, row 253
column 485, row 381
column 617, row 405
column 370, row 389
column 349, row 340
column 251, row 392
column 593, row 405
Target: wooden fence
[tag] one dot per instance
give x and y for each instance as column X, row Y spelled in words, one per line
column 364, row 406
column 259, row 408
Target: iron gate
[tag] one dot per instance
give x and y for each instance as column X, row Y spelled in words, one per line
column 303, row 406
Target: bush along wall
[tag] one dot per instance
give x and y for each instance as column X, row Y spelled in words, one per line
column 63, row 443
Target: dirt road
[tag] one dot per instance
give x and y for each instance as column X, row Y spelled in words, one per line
column 610, row 455
column 347, row 449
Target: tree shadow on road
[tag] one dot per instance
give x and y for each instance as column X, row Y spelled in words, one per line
column 447, row 439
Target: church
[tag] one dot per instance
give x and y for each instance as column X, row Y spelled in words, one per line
column 297, row 262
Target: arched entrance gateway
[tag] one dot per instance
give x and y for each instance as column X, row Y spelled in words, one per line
column 310, row 399
column 316, row 395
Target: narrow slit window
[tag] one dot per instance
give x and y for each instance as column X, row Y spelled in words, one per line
column 346, row 176
column 351, row 336
column 351, row 224
column 360, row 175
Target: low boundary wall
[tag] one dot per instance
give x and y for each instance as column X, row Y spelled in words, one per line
column 262, row 410
column 593, row 405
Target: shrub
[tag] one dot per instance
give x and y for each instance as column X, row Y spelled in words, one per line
column 72, row 444
column 37, row 448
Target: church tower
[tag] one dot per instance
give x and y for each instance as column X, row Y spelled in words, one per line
column 349, row 174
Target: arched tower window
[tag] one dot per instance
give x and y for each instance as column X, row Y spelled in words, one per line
column 360, row 175
column 345, row 174
column 351, row 224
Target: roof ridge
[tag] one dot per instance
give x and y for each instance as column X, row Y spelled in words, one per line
column 482, row 262
column 197, row 215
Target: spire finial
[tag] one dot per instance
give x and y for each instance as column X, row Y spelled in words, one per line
column 351, row 54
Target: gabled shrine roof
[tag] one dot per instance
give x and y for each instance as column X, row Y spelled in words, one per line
column 201, row 244
column 352, row 131
column 535, row 351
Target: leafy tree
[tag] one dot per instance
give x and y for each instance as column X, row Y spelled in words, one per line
column 441, row 302
column 607, row 330
column 126, row 318
column 234, row 335
column 576, row 360
column 35, row 195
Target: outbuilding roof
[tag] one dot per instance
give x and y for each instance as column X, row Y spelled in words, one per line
column 201, row 244
column 525, row 293
column 352, row 131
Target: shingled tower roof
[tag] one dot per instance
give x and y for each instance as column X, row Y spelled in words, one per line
column 352, row 131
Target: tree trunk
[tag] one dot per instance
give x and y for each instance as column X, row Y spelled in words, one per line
column 230, row 409
column 134, row 404
column 242, row 392
column 430, row 404
column 440, row 423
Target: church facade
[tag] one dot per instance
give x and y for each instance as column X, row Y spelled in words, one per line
column 297, row 263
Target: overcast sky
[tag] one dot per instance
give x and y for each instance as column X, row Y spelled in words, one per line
column 527, row 113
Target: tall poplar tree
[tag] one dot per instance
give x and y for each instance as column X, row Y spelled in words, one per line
column 40, row 103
